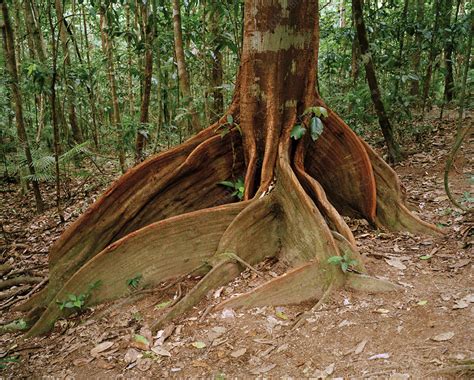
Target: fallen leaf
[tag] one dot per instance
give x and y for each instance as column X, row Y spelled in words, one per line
column 281, row 315
column 140, row 342
column 82, row 361
column 200, row 364
column 461, row 304
column 330, row 369
column 161, row 351
column 399, row 376
column 227, row 313
column 198, row 344
column 385, row 355
column 238, row 353
column 360, row 347
column 382, row 311
column 443, row 337
column 100, row 348
column 425, row 257
column 263, row 369
column 422, row 303
column 396, row 263
column 132, row 355
column 144, row 364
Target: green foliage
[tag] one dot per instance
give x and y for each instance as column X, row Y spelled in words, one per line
column 297, row 132
column 238, row 186
column 134, row 282
column 77, row 302
column 7, row 360
column 345, row 262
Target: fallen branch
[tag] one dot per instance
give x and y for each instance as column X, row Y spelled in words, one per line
column 14, row 292
column 19, row 281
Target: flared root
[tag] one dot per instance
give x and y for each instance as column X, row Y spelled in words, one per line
column 162, row 220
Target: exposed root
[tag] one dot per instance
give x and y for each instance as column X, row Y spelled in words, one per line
column 392, row 212
column 338, row 161
column 155, row 254
column 153, row 196
column 304, row 283
column 319, row 195
column 302, row 318
column 364, row 283
column 21, row 280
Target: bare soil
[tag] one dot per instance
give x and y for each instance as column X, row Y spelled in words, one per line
column 423, row 330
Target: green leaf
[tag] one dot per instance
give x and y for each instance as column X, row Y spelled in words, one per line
column 162, row 305
column 297, row 132
column 344, row 267
column 72, row 297
column 230, row 119
column 227, row 183
column 335, row 260
column 141, row 339
column 425, row 257
column 316, row 128
column 199, row 345
column 422, row 303
column 281, row 315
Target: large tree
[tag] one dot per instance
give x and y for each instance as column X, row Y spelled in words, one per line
column 169, row 216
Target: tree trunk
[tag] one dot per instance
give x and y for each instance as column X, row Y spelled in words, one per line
column 293, row 193
column 116, row 120
column 420, row 13
column 149, row 35
column 434, row 51
column 70, row 87
column 393, row 148
column 448, row 50
column 217, row 71
column 91, row 92
column 9, row 50
column 183, row 74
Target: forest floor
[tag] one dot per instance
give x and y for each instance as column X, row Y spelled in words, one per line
column 424, row 330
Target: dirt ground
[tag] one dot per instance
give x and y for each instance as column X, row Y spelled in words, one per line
column 423, row 330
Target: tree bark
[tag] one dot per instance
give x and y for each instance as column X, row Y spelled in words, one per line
column 217, row 71
column 448, row 50
column 70, row 87
column 107, row 47
column 184, row 83
column 434, row 51
column 416, row 59
column 393, row 148
column 149, row 35
column 9, row 50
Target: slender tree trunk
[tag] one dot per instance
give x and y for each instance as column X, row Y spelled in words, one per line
column 54, row 115
column 434, row 51
column 9, row 50
column 70, row 87
column 92, row 98
column 116, row 120
column 183, row 74
column 217, row 69
column 131, row 98
column 401, row 39
column 448, row 51
column 462, row 93
column 149, row 34
column 416, row 59
column 392, row 145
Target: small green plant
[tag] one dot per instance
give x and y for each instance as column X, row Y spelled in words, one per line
column 9, row 359
column 134, row 282
column 316, row 126
column 345, row 262
column 77, row 302
column 238, row 187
